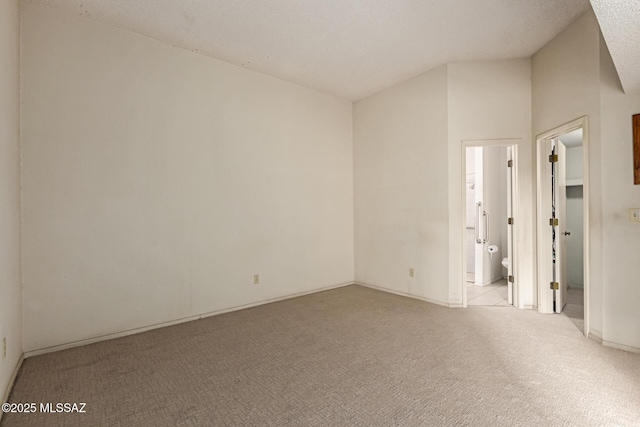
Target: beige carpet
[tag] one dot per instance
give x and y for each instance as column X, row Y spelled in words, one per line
column 350, row 356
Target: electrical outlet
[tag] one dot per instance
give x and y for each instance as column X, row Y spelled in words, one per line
column 412, row 273
column 256, row 279
column 4, row 347
column 634, row 215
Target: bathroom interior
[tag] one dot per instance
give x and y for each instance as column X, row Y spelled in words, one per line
column 487, row 201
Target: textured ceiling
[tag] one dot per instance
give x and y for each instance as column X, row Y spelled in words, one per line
column 620, row 25
column 350, row 48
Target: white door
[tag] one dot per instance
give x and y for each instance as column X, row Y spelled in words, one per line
column 510, row 220
column 551, row 260
column 560, row 236
column 481, row 230
column 545, row 237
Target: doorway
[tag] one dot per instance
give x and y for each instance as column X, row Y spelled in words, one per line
column 489, row 201
column 562, row 225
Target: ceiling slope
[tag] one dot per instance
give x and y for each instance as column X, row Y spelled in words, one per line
column 349, row 48
column 620, row 24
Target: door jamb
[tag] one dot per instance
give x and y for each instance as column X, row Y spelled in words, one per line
column 513, row 143
column 580, row 123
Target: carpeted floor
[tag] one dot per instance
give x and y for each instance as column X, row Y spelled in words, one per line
column 349, row 356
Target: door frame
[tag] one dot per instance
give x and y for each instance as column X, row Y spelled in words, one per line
column 513, row 144
column 543, row 253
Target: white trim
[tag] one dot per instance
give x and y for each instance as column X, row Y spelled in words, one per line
column 500, row 142
column 12, row 380
column 595, row 336
column 121, row 334
column 623, row 347
column 405, row 294
column 580, row 123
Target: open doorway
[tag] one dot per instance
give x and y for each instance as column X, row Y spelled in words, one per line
column 488, row 223
column 562, row 222
column 574, row 233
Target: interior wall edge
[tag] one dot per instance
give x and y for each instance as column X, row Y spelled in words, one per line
column 408, row 295
column 10, row 219
column 12, row 380
column 595, row 335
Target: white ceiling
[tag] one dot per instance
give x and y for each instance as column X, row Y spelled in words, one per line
column 620, row 25
column 572, row 139
column 349, row 48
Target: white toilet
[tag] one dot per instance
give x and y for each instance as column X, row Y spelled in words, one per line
column 505, row 263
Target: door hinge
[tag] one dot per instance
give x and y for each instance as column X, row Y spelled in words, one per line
column 509, row 163
column 555, row 286
column 553, row 222
column 553, row 158
column 510, row 221
column 510, row 279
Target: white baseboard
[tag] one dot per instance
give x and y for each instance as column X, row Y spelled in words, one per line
column 114, row 335
column 405, row 294
column 12, row 379
column 615, row 345
column 595, row 336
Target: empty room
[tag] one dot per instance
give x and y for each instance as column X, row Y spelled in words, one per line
column 319, row 213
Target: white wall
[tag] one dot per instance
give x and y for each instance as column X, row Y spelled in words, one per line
column 565, row 86
column 490, row 193
column 495, row 204
column 10, row 290
column 408, row 198
column 574, row 163
column 621, row 270
column 575, row 219
column 157, row 181
column 504, row 174
column 575, row 241
column 489, row 101
column 400, row 187
column 471, row 208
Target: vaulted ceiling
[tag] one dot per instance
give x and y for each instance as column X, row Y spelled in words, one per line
column 620, row 25
column 349, row 48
